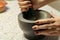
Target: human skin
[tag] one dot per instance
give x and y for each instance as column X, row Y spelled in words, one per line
column 26, row 4
column 52, row 25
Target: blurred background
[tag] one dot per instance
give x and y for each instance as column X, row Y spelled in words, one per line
column 56, row 4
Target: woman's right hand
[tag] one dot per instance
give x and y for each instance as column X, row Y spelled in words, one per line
column 24, row 5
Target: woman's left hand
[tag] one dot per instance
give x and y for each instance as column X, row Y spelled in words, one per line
column 48, row 27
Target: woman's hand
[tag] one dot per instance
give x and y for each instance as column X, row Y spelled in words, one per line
column 25, row 5
column 50, row 27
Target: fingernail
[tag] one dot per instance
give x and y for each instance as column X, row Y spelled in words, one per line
column 36, row 32
column 33, row 28
column 37, row 22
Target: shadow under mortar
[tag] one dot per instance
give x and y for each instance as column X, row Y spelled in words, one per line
column 27, row 20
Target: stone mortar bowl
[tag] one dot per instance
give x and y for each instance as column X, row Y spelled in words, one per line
column 26, row 25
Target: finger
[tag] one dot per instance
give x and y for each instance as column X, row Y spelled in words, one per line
column 21, row 0
column 45, row 32
column 45, row 21
column 25, row 8
column 55, row 33
column 39, row 27
column 58, row 29
column 24, row 3
column 53, row 15
column 56, row 25
column 39, row 33
column 41, row 0
column 48, row 32
column 46, row 26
